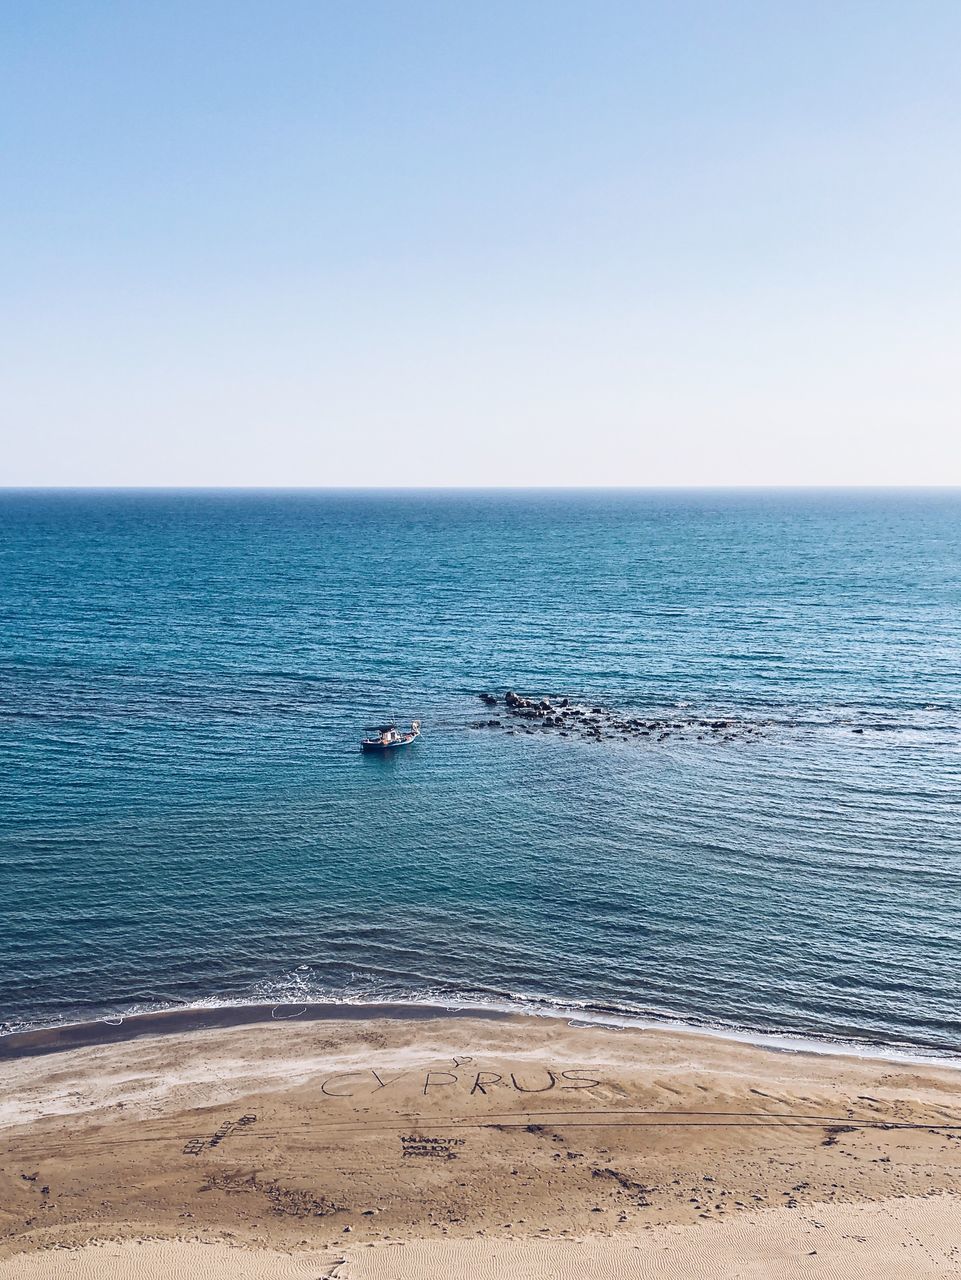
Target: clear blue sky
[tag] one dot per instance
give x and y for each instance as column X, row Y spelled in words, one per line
column 511, row 242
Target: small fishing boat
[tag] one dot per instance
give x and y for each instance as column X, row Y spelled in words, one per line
column 389, row 737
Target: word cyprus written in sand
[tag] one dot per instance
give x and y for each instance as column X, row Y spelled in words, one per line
column 533, row 1080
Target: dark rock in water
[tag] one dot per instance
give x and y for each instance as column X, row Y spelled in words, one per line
column 857, row 730
column 597, row 723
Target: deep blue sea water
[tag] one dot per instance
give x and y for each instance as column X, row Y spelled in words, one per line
column 185, row 815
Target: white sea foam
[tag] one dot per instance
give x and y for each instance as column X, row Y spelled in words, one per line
column 574, row 1012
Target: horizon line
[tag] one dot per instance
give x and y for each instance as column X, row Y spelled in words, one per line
column 465, row 488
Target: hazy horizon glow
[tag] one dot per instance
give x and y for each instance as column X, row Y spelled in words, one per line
column 526, row 244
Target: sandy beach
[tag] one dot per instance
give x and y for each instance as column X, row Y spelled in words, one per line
column 516, row 1146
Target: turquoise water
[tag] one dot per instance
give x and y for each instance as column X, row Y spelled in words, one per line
column 185, row 815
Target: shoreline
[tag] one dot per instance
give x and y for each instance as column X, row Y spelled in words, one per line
column 120, row 1028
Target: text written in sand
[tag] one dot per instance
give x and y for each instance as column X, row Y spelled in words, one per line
column 194, row 1146
column 531, row 1080
column 430, row 1148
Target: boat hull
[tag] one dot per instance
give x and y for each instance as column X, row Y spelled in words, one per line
column 378, row 748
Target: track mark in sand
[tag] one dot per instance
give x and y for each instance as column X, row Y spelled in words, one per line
column 621, row 1118
column 667, row 1088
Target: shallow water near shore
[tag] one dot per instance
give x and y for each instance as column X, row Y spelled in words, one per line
column 185, row 815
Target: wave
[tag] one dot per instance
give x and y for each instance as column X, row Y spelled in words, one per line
column 293, row 999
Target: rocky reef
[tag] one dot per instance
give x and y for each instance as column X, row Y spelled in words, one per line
column 570, row 718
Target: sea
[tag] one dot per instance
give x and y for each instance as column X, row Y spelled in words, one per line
column 186, row 817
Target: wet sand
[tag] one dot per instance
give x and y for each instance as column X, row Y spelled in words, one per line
column 422, row 1147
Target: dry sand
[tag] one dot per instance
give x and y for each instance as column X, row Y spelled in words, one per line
column 467, row 1147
